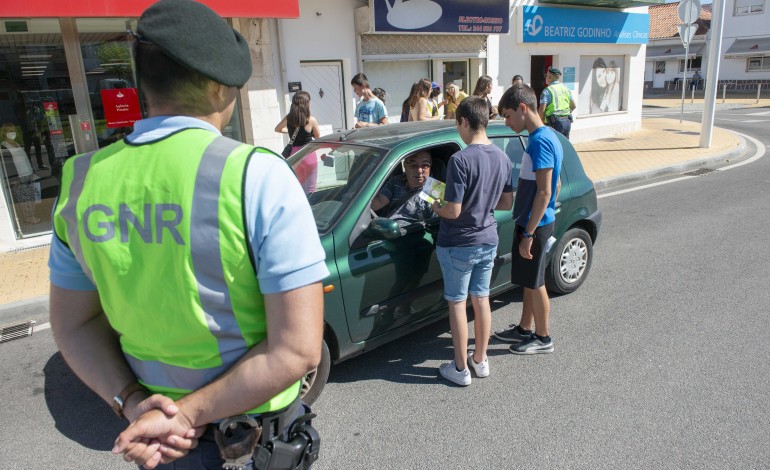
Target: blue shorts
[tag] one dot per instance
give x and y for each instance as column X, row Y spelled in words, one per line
column 466, row 269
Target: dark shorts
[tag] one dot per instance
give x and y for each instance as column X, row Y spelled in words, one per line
column 530, row 273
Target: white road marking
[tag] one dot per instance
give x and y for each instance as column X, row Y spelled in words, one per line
column 43, row 326
column 759, row 154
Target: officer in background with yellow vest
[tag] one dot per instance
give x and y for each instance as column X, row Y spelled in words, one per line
column 556, row 103
column 182, row 291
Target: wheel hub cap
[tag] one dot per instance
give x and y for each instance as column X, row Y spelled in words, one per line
column 573, row 260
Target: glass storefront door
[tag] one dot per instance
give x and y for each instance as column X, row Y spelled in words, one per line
column 112, row 94
column 456, row 71
column 35, row 91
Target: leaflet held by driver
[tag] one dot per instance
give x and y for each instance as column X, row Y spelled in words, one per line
column 432, row 189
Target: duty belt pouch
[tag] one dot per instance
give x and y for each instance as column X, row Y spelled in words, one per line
column 294, row 449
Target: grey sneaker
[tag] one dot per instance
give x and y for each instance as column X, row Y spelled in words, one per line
column 449, row 372
column 511, row 335
column 481, row 368
column 533, row 345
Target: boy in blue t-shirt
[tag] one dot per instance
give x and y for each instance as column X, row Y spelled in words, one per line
column 370, row 111
column 533, row 212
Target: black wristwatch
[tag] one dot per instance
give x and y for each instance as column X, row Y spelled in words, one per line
column 526, row 234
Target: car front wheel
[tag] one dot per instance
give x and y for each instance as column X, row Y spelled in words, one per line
column 314, row 381
column 570, row 263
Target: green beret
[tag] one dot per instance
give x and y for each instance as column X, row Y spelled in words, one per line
column 554, row 71
column 195, row 36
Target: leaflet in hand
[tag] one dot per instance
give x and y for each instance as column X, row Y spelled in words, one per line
column 432, row 189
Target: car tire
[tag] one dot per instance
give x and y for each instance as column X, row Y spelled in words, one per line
column 571, row 262
column 314, row 381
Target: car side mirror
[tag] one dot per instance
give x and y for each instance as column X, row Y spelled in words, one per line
column 381, row 228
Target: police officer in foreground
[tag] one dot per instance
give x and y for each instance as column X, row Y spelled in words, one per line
column 556, row 103
column 181, row 292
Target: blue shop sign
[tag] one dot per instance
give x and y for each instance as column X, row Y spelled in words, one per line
column 543, row 24
column 441, row 16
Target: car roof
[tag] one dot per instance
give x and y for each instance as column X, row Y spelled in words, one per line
column 394, row 134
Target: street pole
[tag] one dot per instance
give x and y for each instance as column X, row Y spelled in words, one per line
column 710, row 91
column 684, row 78
column 688, row 11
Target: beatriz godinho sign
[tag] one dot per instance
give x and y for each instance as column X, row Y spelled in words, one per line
column 543, row 24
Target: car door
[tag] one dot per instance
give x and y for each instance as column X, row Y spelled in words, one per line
column 388, row 284
column 513, row 146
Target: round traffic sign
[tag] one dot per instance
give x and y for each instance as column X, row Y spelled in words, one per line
column 689, row 10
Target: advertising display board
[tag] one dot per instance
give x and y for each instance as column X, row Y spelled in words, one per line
column 51, row 110
column 601, row 84
column 445, row 16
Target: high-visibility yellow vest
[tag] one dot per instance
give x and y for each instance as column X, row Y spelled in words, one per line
column 159, row 229
column 560, row 100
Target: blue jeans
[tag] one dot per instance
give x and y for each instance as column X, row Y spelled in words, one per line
column 466, row 269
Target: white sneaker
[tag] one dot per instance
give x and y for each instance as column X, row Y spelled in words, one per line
column 449, row 372
column 481, row 368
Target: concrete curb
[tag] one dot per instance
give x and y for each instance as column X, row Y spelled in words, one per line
column 672, row 169
column 35, row 308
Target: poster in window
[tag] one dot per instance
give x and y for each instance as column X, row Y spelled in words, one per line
column 601, row 84
column 121, row 107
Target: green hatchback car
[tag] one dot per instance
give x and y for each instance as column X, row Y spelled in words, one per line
column 385, row 279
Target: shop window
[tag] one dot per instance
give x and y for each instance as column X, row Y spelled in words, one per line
column 749, row 7
column 758, row 64
column 396, row 78
column 693, row 63
column 35, row 137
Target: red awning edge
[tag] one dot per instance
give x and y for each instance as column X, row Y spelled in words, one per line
column 134, row 8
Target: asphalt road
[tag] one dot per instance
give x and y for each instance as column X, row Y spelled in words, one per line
column 662, row 359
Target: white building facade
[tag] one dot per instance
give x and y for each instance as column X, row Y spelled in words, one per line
column 745, row 55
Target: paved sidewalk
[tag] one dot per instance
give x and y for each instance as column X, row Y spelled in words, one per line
column 662, row 145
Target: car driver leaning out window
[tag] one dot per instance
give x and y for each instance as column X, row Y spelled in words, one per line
column 399, row 199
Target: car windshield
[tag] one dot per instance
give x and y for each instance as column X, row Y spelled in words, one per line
column 332, row 175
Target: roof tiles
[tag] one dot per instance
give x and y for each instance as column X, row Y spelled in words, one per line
column 664, row 20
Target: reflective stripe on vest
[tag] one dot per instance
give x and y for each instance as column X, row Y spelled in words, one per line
column 209, row 242
column 68, row 213
column 204, row 246
column 560, row 100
